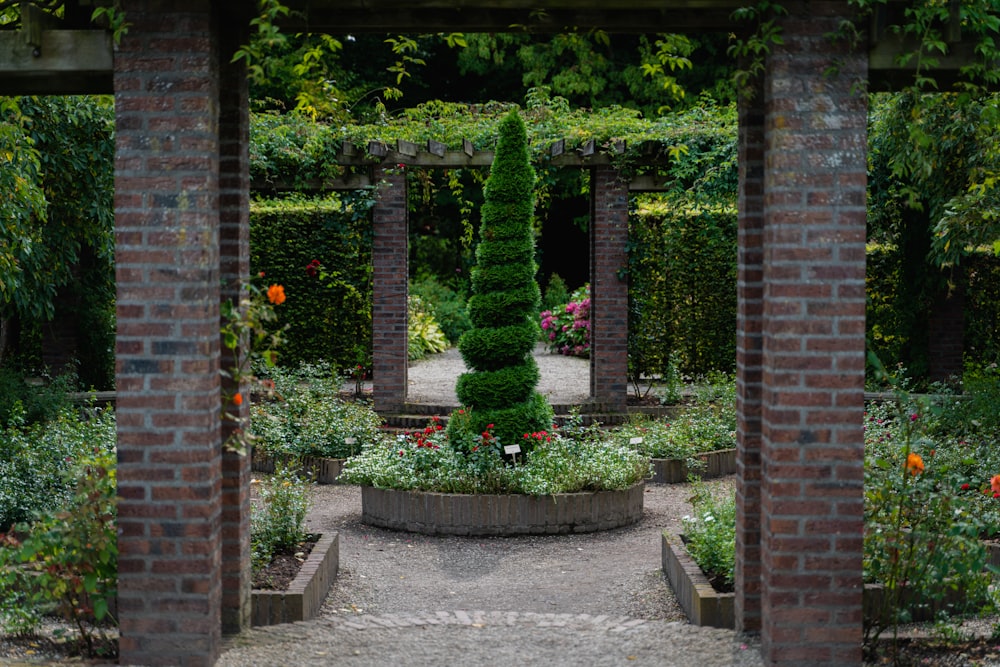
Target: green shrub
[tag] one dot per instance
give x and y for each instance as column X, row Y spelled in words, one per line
column 499, row 389
column 424, row 336
column 556, row 292
column 277, row 519
column 67, row 560
column 926, row 508
column 34, row 458
column 447, row 306
column 706, row 424
column 710, row 534
column 471, row 461
column 308, row 418
column 33, row 403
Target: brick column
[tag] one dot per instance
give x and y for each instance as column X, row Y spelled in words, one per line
column 813, row 344
column 167, row 365
column 389, row 290
column 608, row 293
column 234, row 268
column 750, row 311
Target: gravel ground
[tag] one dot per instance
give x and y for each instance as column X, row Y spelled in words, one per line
column 406, row 599
column 563, row 380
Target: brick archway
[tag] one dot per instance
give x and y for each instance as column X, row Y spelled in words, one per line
column 181, row 201
column 609, row 294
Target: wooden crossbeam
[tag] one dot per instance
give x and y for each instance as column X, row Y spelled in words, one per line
column 55, row 62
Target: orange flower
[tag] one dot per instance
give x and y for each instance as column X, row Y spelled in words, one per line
column 276, row 294
column 914, row 464
column 237, row 399
column 995, row 483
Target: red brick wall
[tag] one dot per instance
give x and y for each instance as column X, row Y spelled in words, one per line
column 750, row 310
column 608, row 293
column 167, row 367
column 389, row 290
column 813, row 344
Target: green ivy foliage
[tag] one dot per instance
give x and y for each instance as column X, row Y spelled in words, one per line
column 56, row 243
column 500, row 387
column 329, row 317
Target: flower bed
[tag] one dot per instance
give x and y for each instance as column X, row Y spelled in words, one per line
column 432, row 513
column 304, row 596
column 713, row 464
column 700, row 601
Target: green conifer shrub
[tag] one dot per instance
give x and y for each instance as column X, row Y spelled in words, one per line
column 500, row 388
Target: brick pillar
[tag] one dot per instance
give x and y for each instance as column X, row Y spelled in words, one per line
column 608, row 293
column 234, row 268
column 389, row 290
column 812, row 444
column 750, row 311
column 167, row 364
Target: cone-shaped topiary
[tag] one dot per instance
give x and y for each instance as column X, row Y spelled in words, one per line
column 500, row 387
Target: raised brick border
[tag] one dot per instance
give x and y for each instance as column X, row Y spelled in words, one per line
column 303, row 598
column 319, row 469
column 485, row 514
column 697, row 597
column 675, row 471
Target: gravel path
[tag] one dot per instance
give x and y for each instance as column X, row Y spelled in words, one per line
column 569, row 600
column 406, row 599
column 563, row 380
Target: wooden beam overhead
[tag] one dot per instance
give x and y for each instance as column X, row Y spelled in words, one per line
column 64, row 62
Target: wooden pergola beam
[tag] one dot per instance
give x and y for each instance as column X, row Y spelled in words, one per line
column 56, row 62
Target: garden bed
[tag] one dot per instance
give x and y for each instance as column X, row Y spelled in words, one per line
column 700, row 601
column 674, row 471
column 304, row 596
column 318, row 469
column 512, row 514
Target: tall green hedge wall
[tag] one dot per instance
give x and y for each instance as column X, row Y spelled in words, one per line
column 329, row 314
column 682, row 289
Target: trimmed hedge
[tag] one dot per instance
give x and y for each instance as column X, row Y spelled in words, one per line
column 505, row 299
column 328, row 318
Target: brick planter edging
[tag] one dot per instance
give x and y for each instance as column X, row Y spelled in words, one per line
column 320, row 469
column 304, row 596
column 674, row 471
column 486, row 514
column 700, row 601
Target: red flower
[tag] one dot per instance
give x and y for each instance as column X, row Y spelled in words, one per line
column 312, row 269
column 237, row 399
column 995, row 483
column 965, row 487
column 915, row 465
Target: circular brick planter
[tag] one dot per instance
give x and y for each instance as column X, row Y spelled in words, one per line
column 484, row 514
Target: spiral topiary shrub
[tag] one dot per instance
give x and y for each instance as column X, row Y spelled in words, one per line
column 499, row 390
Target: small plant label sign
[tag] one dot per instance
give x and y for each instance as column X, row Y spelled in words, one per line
column 350, row 440
column 512, row 449
column 635, row 441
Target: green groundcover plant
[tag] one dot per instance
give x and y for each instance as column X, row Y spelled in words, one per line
column 278, row 516
column 65, row 562
column 459, row 461
column 710, row 534
column 307, row 417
